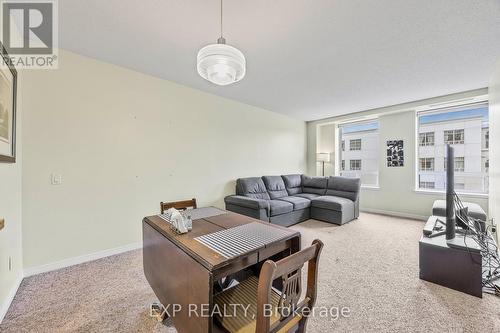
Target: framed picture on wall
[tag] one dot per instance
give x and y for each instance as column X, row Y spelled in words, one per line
column 395, row 153
column 8, row 93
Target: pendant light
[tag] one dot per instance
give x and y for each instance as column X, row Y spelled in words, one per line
column 221, row 63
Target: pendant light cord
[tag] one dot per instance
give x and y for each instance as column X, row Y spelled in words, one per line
column 221, row 19
column 221, row 39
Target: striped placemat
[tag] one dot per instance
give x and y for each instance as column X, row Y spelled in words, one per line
column 239, row 240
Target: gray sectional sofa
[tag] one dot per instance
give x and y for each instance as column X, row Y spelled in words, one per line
column 289, row 199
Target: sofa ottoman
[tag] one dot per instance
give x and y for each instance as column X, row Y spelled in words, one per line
column 474, row 210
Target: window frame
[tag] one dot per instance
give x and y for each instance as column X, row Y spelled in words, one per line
column 350, row 165
column 431, row 159
column 351, row 144
column 459, row 159
column 477, row 102
column 426, row 136
column 453, row 133
column 371, row 183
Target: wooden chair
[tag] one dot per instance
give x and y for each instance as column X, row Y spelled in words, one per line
column 289, row 315
column 180, row 205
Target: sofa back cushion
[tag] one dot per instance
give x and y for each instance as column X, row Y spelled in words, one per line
column 252, row 187
column 275, row 186
column 315, row 185
column 293, row 184
column 344, row 187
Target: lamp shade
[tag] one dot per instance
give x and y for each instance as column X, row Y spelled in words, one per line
column 323, row 157
column 221, row 64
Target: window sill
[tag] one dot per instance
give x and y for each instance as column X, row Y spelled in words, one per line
column 370, row 187
column 463, row 194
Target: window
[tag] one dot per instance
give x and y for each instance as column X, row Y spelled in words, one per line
column 435, row 129
column 454, row 137
column 459, row 186
column 426, row 139
column 359, row 157
column 355, row 144
column 426, row 164
column 427, row 185
column 355, row 165
column 459, row 164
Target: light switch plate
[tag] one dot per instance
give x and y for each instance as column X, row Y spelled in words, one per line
column 2, row 223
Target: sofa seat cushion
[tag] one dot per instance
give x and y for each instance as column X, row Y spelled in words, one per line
column 308, row 196
column 333, row 203
column 473, row 209
column 297, row 202
column 279, row 207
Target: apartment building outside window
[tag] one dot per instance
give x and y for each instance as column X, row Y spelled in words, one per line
column 355, row 165
column 426, row 164
column 359, row 151
column 429, row 185
column 459, row 164
column 464, row 127
column 426, row 139
column 454, row 137
column 355, row 144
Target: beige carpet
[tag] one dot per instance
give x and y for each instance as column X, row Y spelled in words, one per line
column 369, row 266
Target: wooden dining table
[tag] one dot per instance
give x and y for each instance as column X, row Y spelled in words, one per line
column 184, row 273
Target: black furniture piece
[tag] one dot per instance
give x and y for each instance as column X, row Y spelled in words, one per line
column 463, row 255
column 290, row 199
column 452, row 267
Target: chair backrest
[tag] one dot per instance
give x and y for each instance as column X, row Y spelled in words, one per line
column 180, row 205
column 289, row 270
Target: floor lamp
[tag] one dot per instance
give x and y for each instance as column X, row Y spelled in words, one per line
column 323, row 158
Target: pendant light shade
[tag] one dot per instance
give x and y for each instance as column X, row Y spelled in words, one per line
column 221, row 64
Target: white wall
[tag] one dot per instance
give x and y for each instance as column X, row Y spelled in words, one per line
column 10, row 209
column 396, row 193
column 494, row 117
column 123, row 142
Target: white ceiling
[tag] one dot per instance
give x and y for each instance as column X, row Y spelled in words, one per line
column 306, row 59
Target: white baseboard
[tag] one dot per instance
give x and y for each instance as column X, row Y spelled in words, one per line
column 10, row 297
column 396, row 214
column 80, row 259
